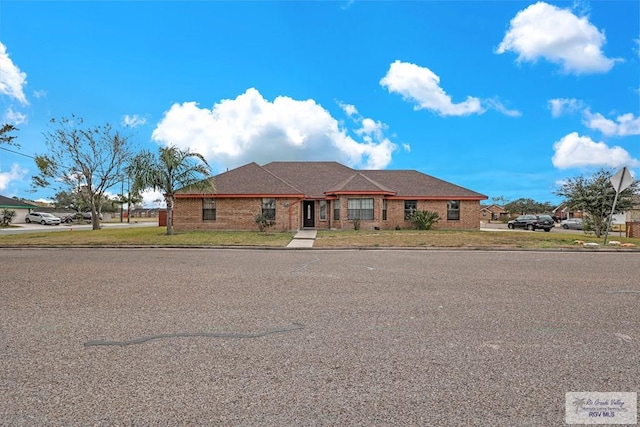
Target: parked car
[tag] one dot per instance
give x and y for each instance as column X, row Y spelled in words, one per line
column 532, row 222
column 72, row 217
column 43, row 218
column 572, row 224
column 87, row 216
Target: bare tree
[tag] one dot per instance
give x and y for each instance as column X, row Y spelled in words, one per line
column 88, row 160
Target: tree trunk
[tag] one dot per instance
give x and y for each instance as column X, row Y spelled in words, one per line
column 169, row 200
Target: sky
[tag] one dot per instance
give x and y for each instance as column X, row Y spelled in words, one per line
column 506, row 98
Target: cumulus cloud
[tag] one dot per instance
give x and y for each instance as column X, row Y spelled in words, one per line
column 561, row 106
column 12, row 80
column 421, row 86
column 250, row 128
column 557, row 35
column 14, row 117
column 624, row 125
column 133, row 121
column 574, row 151
column 15, row 174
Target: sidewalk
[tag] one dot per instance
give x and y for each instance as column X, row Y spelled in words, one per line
column 303, row 239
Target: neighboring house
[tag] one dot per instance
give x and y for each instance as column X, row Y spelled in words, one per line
column 22, row 209
column 633, row 214
column 563, row 212
column 145, row 212
column 493, row 213
column 324, row 195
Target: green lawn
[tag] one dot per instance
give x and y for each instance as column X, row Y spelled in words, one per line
column 146, row 236
column 457, row 239
column 156, row 236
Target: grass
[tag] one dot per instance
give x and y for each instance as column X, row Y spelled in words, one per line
column 456, row 239
column 156, row 236
column 146, row 236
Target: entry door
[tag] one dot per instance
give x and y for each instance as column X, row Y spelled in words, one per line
column 308, row 214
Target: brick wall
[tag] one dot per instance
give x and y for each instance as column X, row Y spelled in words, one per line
column 469, row 214
column 239, row 214
column 233, row 214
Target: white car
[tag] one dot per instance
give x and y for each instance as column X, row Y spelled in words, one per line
column 42, row 218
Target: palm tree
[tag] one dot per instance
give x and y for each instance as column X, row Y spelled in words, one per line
column 169, row 171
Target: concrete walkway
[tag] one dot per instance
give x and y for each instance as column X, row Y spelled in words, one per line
column 303, row 239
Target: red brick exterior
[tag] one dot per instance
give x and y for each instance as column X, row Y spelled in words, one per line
column 240, row 213
column 234, row 214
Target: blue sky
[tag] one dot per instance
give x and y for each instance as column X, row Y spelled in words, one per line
column 506, row 98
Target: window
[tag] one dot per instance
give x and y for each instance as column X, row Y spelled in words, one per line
column 453, row 210
column 323, row 210
column 360, row 209
column 384, row 209
column 410, row 207
column 208, row 209
column 336, row 209
column 269, row 208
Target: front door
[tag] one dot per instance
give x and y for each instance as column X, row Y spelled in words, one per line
column 308, row 214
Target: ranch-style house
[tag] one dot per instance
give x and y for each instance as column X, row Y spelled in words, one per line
column 324, row 195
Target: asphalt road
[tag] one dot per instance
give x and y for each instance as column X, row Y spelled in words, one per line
column 281, row 337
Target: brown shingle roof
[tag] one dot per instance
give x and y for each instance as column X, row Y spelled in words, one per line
column 318, row 179
column 252, row 179
column 358, row 182
column 313, row 178
column 414, row 184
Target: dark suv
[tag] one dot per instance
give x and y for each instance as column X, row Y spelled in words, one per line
column 532, row 222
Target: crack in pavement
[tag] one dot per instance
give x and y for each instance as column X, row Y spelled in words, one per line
column 142, row 340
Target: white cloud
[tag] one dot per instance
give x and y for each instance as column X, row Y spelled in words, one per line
column 14, row 117
column 15, row 174
column 349, row 109
column 499, row 106
column 12, row 80
column 422, row 86
column 39, row 93
column 624, row 125
column 557, row 35
column 574, row 151
column 560, row 106
column 133, row 121
column 250, row 128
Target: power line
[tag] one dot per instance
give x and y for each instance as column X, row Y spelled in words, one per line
column 18, row 153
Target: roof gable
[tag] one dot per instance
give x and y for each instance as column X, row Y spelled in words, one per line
column 359, row 183
column 313, row 178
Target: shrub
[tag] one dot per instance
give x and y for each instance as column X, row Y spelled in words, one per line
column 356, row 224
column 423, row 220
column 7, row 217
column 264, row 222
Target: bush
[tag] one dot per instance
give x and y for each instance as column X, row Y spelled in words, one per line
column 7, row 217
column 423, row 220
column 264, row 222
column 356, row 224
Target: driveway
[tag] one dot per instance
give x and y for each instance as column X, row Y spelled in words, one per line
column 278, row 337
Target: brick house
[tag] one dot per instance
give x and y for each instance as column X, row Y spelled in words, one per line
column 324, row 195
